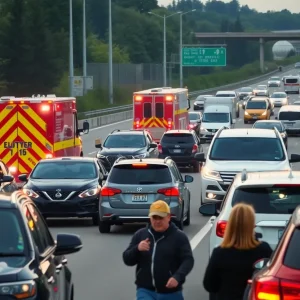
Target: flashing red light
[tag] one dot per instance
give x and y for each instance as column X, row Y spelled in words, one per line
column 139, row 165
column 159, row 148
column 195, row 148
column 108, row 192
column 220, row 230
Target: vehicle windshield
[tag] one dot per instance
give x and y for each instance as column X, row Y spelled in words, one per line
column 125, row 141
column 275, row 78
column 215, row 118
column 13, row 243
column 247, row 148
column 194, row 116
column 64, row 170
column 269, row 200
column 256, row 105
column 246, row 90
column 178, row 138
column 150, row 174
column 277, row 95
column 289, row 116
column 269, row 125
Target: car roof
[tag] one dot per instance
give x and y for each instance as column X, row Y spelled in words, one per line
column 278, row 93
column 289, row 108
column 268, row 121
column 267, row 178
column 126, row 131
column 247, row 132
column 178, row 131
column 225, row 92
column 150, row 161
column 68, row 158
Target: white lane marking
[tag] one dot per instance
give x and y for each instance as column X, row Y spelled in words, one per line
column 111, row 124
column 200, row 235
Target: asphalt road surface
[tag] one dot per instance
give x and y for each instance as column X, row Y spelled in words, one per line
column 98, row 270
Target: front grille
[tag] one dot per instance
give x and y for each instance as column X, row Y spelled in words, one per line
column 227, row 177
column 58, row 195
column 224, row 186
column 112, row 158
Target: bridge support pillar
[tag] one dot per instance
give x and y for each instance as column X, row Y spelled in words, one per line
column 261, row 55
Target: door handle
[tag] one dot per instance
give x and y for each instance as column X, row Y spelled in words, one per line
column 64, row 261
column 59, row 267
column 51, row 280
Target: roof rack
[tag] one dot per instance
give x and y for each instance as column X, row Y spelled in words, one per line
column 116, row 130
column 168, row 157
column 220, row 130
column 244, row 175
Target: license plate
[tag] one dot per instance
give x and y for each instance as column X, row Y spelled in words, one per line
column 177, row 151
column 280, row 233
column 255, row 118
column 139, row 198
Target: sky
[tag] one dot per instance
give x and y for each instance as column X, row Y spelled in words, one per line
column 260, row 5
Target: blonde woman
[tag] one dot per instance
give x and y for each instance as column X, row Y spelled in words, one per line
column 231, row 264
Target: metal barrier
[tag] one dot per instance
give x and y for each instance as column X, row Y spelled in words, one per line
column 127, row 112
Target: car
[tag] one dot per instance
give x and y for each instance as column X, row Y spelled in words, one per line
column 296, row 102
column 279, row 99
column 199, row 102
column 274, row 196
column 279, row 276
column 261, row 90
column 245, row 92
column 66, row 187
column 195, row 121
column 270, row 124
column 182, row 146
column 289, row 115
column 134, row 184
column 33, row 264
column 233, row 150
column 257, row 108
column 274, row 82
column 11, row 185
column 127, row 143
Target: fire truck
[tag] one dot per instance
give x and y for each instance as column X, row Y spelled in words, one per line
column 36, row 128
column 160, row 109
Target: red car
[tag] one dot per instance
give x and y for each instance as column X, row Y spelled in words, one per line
column 279, row 278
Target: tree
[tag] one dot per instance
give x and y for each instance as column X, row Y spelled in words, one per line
column 143, row 6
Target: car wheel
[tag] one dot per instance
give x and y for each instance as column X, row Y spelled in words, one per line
column 187, row 221
column 104, row 227
column 179, row 223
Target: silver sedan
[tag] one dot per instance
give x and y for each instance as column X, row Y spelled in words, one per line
column 279, row 99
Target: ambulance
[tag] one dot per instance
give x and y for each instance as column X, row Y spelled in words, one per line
column 38, row 127
column 160, row 109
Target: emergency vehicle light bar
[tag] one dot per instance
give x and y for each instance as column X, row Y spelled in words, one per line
column 138, row 98
column 169, row 98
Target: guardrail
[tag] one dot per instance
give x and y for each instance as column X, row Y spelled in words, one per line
column 101, row 117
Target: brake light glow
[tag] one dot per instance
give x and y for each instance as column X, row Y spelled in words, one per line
column 169, row 98
column 136, row 123
column 108, row 191
column 45, row 108
column 159, row 148
column 267, row 288
column 138, row 98
column 139, row 165
column 191, row 126
column 195, row 148
column 169, row 124
column 12, row 169
column 220, row 230
column 171, row 192
column 49, row 156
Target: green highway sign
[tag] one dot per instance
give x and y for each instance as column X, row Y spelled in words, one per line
column 204, row 57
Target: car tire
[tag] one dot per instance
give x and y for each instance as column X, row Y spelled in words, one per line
column 179, row 223
column 187, row 221
column 104, row 227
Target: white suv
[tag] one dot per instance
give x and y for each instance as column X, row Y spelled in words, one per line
column 233, row 150
column 274, row 196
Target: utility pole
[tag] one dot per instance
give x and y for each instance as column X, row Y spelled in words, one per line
column 110, row 58
column 71, row 62
column 84, row 48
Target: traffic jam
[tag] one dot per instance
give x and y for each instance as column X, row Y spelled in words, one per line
column 214, row 180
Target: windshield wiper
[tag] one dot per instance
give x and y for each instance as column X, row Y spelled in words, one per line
column 3, row 254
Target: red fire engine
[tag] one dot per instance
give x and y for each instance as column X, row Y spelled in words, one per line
column 36, row 128
column 161, row 109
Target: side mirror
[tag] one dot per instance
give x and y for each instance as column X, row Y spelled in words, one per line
column 200, row 157
column 23, row 177
column 98, row 143
column 188, row 179
column 86, row 127
column 153, row 145
column 294, row 158
column 258, row 265
column 105, row 176
column 7, row 178
column 208, row 209
column 67, row 244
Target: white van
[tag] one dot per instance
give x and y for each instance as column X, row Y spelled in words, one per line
column 231, row 95
column 291, row 84
column 289, row 115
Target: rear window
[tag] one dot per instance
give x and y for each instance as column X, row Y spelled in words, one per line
column 269, row 125
column 178, row 138
column 247, row 148
column 151, row 174
column 292, row 257
column 289, row 116
column 269, row 200
column 291, row 80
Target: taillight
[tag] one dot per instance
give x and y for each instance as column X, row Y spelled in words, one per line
column 191, row 126
column 195, row 148
column 159, row 148
column 267, row 288
column 172, row 191
column 220, row 230
column 290, row 289
column 108, row 192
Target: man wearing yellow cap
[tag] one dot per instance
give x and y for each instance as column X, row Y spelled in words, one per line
column 162, row 254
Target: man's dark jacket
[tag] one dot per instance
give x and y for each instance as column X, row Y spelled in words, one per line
column 170, row 255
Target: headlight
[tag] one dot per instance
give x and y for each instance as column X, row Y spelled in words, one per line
column 140, row 155
column 19, row 290
column 90, row 192
column 100, row 156
column 264, row 113
column 246, row 113
column 203, row 129
column 211, row 174
column 30, row 193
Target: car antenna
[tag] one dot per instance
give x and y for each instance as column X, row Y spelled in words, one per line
column 291, row 173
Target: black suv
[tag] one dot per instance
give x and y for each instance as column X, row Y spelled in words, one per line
column 125, row 143
column 181, row 146
column 33, row 265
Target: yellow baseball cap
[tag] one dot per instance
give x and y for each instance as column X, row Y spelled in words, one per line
column 159, row 208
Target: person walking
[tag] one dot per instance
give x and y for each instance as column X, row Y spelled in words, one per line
column 231, row 264
column 163, row 256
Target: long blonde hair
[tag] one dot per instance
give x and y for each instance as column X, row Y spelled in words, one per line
column 239, row 232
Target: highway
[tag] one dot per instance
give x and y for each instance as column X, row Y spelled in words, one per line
column 98, row 269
